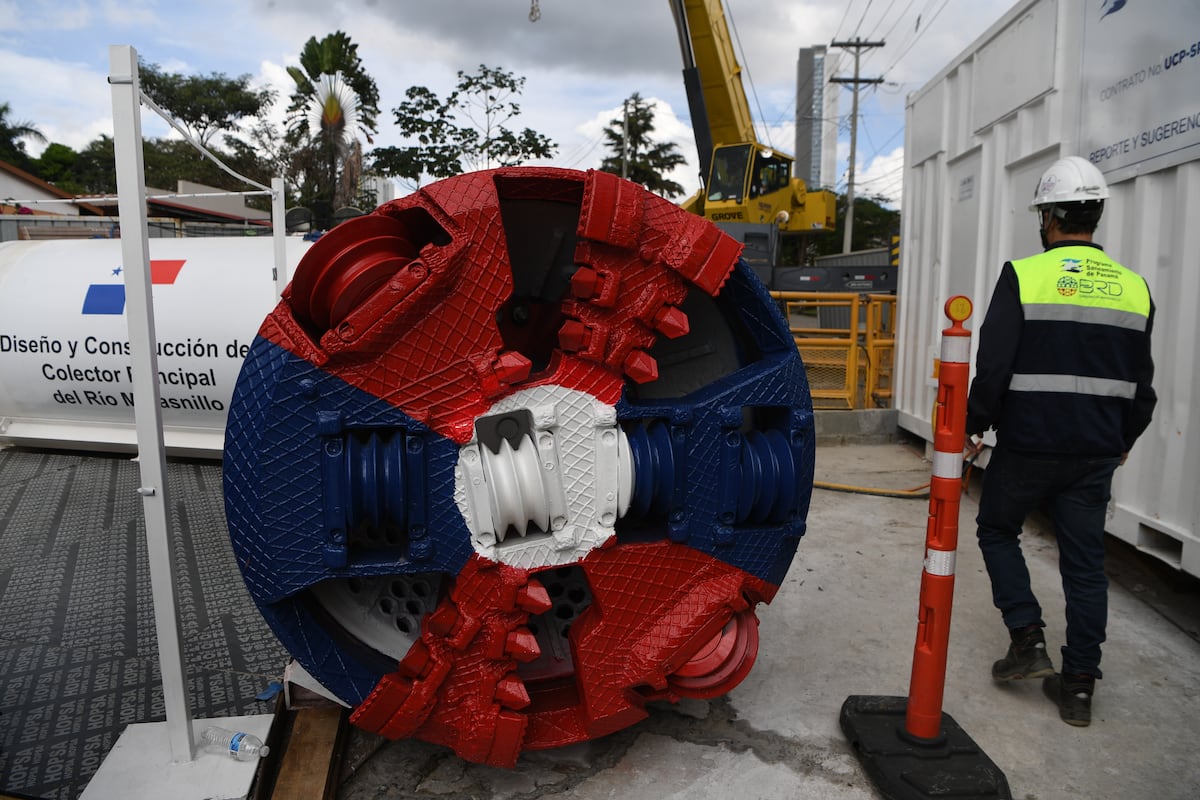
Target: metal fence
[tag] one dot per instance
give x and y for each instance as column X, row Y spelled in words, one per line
column 847, row 341
column 34, row 227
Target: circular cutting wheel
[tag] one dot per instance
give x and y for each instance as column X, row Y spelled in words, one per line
column 515, row 455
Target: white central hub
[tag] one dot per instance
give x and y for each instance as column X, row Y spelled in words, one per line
column 545, row 477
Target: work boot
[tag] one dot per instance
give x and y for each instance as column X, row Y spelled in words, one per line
column 1073, row 696
column 1026, row 656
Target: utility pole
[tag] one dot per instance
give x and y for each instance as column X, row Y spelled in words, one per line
column 857, row 45
column 625, row 141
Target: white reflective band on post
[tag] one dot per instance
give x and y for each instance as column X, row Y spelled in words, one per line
column 947, row 465
column 939, row 562
column 956, row 349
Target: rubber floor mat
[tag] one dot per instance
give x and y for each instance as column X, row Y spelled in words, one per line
column 78, row 650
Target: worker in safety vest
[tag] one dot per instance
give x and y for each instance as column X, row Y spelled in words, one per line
column 1063, row 374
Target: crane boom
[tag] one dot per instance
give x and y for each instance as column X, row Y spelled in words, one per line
column 706, row 35
column 745, row 183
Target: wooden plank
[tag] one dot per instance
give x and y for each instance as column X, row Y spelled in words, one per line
column 309, row 769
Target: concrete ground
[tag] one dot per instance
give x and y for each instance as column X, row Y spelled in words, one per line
column 844, row 623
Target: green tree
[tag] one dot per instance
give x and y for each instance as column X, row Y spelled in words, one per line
column 874, row 226
column 166, row 162
column 648, row 162
column 204, row 104
column 13, row 134
column 226, row 116
column 94, row 169
column 334, row 54
column 467, row 131
column 335, row 102
column 56, row 165
column 207, row 107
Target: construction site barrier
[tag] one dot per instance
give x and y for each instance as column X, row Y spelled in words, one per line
column 846, row 341
column 928, row 682
column 880, row 348
column 908, row 746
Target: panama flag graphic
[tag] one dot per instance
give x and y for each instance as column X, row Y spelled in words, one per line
column 109, row 298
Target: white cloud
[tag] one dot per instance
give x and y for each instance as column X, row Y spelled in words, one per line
column 580, row 60
column 883, row 176
column 68, row 102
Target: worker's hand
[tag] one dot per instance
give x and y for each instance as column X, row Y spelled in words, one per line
column 973, row 448
column 1124, row 456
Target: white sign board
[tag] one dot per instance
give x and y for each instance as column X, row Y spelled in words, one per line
column 1141, row 85
column 64, row 338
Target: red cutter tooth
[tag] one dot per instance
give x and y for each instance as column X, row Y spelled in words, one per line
column 522, row 645
column 512, row 367
column 416, row 661
column 442, row 620
column 574, row 336
column 641, row 366
column 671, row 322
column 585, row 283
column 534, row 598
column 509, row 735
column 511, row 693
column 377, row 710
column 498, row 371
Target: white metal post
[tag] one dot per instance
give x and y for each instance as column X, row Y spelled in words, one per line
column 156, row 759
column 279, row 235
column 152, row 462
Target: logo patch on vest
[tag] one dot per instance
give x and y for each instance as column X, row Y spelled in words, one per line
column 1072, row 265
column 1067, row 286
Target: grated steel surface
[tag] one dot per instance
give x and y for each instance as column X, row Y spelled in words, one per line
column 78, row 650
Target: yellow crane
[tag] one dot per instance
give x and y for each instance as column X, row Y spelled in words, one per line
column 744, row 180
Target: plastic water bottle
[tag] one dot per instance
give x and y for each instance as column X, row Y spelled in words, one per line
column 239, row 745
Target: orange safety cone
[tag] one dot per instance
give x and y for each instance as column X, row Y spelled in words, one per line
column 908, row 746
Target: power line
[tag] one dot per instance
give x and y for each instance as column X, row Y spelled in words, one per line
column 898, row 18
column 580, row 152
column 890, row 139
column 918, row 34
column 866, row 11
column 888, row 34
column 882, row 17
column 838, row 30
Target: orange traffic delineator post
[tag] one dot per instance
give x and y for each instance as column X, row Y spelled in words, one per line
column 910, row 748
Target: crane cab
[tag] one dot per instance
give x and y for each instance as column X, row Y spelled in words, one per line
column 753, row 184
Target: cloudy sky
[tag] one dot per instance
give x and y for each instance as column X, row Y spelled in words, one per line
column 580, row 60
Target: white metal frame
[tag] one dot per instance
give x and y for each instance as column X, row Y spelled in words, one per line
column 143, row 761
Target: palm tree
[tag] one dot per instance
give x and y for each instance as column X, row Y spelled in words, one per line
column 641, row 159
column 334, row 104
column 12, row 148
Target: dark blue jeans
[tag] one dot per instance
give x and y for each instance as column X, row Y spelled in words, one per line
column 1075, row 491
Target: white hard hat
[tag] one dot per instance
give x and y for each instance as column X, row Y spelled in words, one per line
column 1069, row 180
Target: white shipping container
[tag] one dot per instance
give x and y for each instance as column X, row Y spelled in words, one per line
column 1118, row 83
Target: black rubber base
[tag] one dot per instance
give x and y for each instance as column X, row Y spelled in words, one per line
column 905, row 767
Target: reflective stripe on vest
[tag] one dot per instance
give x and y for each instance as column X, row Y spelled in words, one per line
column 1115, row 317
column 1075, row 384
